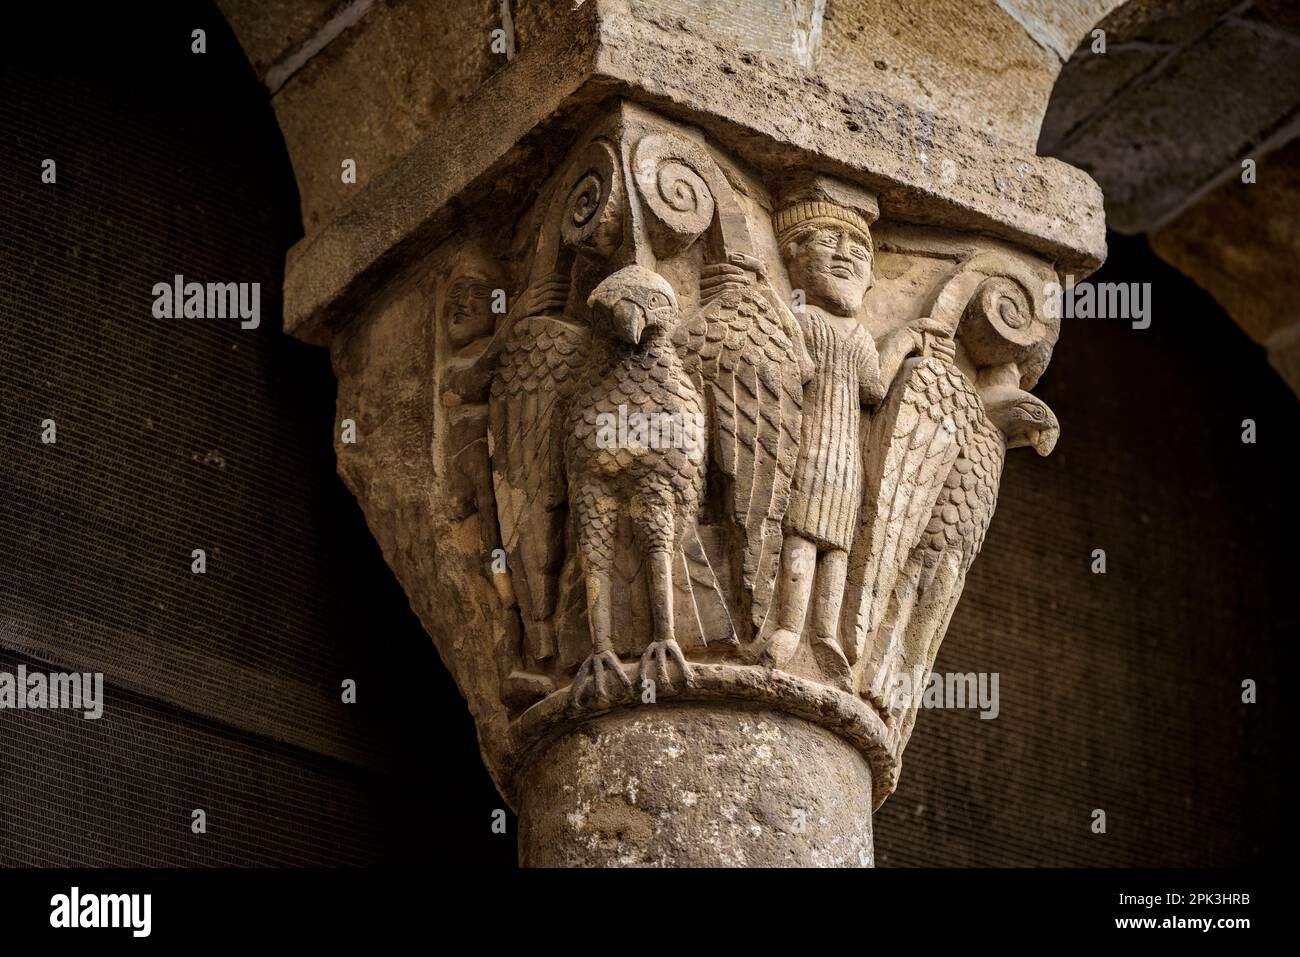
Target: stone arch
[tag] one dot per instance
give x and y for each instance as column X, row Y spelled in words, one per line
column 1185, row 94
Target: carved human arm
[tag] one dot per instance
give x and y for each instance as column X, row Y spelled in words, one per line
column 738, row 273
column 923, row 336
column 464, row 379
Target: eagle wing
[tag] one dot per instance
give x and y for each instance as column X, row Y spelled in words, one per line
column 539, row 369
column 743, row 347
column 947, row 549
column 913, row 441
column 964, row 508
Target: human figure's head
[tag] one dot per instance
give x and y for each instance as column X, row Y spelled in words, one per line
column 825, row 239
column 467, row 297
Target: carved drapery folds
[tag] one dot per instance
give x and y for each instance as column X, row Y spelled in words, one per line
column 735, row 437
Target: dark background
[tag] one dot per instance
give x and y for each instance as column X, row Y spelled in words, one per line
column 183, row 434
column 1119, row 692
column 1123, row 691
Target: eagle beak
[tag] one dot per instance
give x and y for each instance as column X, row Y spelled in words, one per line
column 1044, row 440
column 628, row 320
column 1023, row 418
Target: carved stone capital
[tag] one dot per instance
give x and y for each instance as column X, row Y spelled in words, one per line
column 681, row 435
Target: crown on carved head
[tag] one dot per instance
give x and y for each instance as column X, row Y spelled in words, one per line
column 825, row 199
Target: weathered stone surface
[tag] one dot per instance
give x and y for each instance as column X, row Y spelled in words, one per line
column 968, row 61
column 372, row 93
column 385, row 368
column 269, row 31
column 1056, row 25
column 790, row 28
column 1164, row 23
column 534, row 20
column 673, row 786
column 1175, row 129
column 1088, row 83
column 1241, row 243
column 1141, row 37
column 1185, row 91
column 924, row 167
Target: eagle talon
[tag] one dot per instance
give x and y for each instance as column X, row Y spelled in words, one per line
column 593, row 675
column 658, row 653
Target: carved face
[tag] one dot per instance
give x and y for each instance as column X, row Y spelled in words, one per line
column 831, row 264
column 467, row 310
column 635, row 303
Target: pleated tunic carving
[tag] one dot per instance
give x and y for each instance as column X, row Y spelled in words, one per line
column 827, row 489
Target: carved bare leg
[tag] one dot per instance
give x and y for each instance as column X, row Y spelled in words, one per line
column 798, row 568
column 479, row 469
column 664, row 647
column 832, row 572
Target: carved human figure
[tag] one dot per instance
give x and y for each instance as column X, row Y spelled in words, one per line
column 476, row 331
column 471, row 321
column 474, row 281
column 826, row 245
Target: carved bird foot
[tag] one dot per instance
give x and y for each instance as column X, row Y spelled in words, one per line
column 655, row 660
column 601, row 673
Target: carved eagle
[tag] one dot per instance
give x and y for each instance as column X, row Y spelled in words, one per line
column 935, row 456
column 733, row 361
